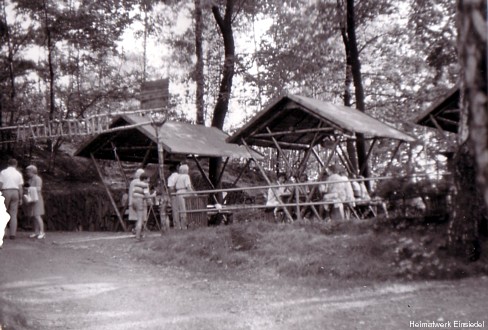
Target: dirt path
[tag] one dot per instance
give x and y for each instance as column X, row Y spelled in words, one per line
column 92, row 281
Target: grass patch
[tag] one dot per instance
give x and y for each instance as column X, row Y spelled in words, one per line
column 365, row 251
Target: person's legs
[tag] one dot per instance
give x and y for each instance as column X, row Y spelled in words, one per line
column 182, row 209
column 337, row 212
column 175, row 212
column 138, row 205
column 35, row 225
column 40, row 226
column 12, row 204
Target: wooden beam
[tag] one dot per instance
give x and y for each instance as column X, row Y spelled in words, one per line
column 222, row 170
column 298, row 131
column 263, row 172
column 205, row 176
column 112, row 201
column 449, row 111
column 296, row 146
column 324, row 168
column 148, row 152
column 287, row 163
column 392, row 157
column 345, row 159
column 121, row 168
column 448, row 121
column 242, row 172
column 436, row 124
column 318, row 158
column 163, row 217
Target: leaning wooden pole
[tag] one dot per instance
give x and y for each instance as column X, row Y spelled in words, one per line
column 163, row 217
column 263, row 172
column 114, row 205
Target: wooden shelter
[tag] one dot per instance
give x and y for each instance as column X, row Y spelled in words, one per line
column 137, row 141
column 444, row 114
column 301, row 123
column 143, row 139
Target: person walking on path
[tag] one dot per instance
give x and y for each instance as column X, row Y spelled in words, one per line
column 35, row 209
column 4, row 218
column 11, row 183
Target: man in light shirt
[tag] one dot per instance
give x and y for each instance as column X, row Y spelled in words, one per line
column 11, row 183
column 172, row 189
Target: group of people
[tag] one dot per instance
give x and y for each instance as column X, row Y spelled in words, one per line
column 339, row 194
column 140, row 197
column 179, row 182
column 14, row 192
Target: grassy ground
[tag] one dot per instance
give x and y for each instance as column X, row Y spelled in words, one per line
column 315, row 252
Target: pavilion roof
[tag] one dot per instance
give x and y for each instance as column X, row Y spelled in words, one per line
column 443, row 114
column 298, row 122
column 179, row 140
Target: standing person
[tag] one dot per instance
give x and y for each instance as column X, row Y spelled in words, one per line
column 172, row 190
column 182, row 185
column 349, row 195
column 276, row 192
column 132, row 212
column 335, row 193
column 4, row 218
column 11, row 183
column 140, row 194
column 35, row 209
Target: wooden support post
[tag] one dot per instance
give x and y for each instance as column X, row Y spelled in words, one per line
column 241, row 172
column 163, row 217
column 297, row 203
column 146, row 155
column 222, row 171
column 263, row 172
column 114, row 205
column 321, row 162
column 344, row 159
column 324, row 168
column 437, row 126
column 278, row 147
column 288, row 165
column 121, row 168
column 392, row 157
column 202, row 172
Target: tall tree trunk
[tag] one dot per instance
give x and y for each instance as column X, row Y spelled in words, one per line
column 10, row 63
column 358, row 83
column 199, row 77
column 50, row 62
column 469, row 209
column 351, row 147
column 225, row 26
column 144, row 55
column 222, row 105
column 49, row 46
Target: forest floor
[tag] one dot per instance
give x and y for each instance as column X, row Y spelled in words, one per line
column 234, row 277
